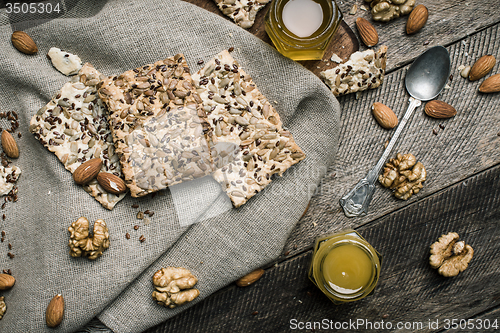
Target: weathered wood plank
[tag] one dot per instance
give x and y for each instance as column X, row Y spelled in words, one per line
column 468, row 144
column 343, row 43
column 409, row 289
column 449, row 21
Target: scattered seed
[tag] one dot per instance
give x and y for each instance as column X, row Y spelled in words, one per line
column 385, row 316
column 7, row 271
column 3, row 217
column 10, row 246
column 451, row 77
column 441, row 126
column 146, row 212
column 426, row 42
column 19, row 135
column 11, row 256
column 151, row 214
column 135, row 206
column 142, row 239
column 136, row 227
column 255, row 313
column 435, row 132
column 200, row 62
column 231, row 49
column 295, row 246
column 287, row 253
column 127, row 235
column 140, row 215
column 3, row 233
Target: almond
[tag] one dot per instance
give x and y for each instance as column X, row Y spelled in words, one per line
column 87, row 171
column 23, row 42
column 250, row 278
column 439, row 109
column 482, row 67
column 6, row 281
column 9, row 145
column 417, row 19
column 55, row 311
column 491, row 84
column 384, row 115
column 111, row 183
column 367, row 32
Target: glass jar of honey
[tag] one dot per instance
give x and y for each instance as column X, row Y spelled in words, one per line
column 345, row 267
column 302, row 29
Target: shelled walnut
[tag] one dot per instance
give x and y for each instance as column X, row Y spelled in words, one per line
column 83, row 244
column 387, row 10
column 404, row 175
column 450, row 256
column 174, row 286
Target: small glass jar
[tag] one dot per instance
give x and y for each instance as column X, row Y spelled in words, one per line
column 345, row 267
column 311, row 47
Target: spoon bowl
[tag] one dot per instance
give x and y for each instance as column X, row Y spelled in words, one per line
column 428, row 74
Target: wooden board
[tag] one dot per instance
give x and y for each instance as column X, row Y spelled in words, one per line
column 343, row 43
column 409, row 289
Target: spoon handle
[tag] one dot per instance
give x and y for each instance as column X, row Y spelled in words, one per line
column 356, row 202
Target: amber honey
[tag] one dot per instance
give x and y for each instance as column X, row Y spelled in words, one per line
column 302, row 29
column 345, row 266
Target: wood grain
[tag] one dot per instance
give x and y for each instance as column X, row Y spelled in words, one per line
column 409, row 290
column 343, row 43
column 461, row 194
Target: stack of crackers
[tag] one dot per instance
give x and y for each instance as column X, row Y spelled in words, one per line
column 156, row 126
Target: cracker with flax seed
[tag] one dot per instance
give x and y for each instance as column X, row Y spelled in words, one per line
column 74, row 126
column 158, row 126
column 243, row 118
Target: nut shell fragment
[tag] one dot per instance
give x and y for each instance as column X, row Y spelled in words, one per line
column 174, row 286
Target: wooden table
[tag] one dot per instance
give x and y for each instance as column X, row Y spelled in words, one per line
column 461, row 194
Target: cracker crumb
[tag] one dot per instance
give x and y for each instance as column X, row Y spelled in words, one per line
column 363, row 8
column 336, row 58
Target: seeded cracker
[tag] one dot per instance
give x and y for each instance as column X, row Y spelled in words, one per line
column 73, row 125
column 243, row 12
column 158, row 125
column 364, row 70
column 240, row 115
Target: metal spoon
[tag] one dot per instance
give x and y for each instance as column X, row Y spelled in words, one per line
column 424, row 80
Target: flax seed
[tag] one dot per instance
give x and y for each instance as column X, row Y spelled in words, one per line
column 127, row 235
column 136, row 227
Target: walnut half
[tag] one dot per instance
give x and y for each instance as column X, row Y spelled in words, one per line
column 449, row 256
column 404, row 175
column 174, row 286
column 387, row 10
column 81, row 243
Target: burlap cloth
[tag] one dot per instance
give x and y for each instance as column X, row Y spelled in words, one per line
column 116, row 36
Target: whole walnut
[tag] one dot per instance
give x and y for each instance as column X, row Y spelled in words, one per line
column 404, row 175
column 81, row 243
column 174, row 286
column 387, row 10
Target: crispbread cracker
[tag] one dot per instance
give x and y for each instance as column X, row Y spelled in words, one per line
column 244, row 121
column 73, row 125
column 364, row 70
column 158, row 125
column 243, row 12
